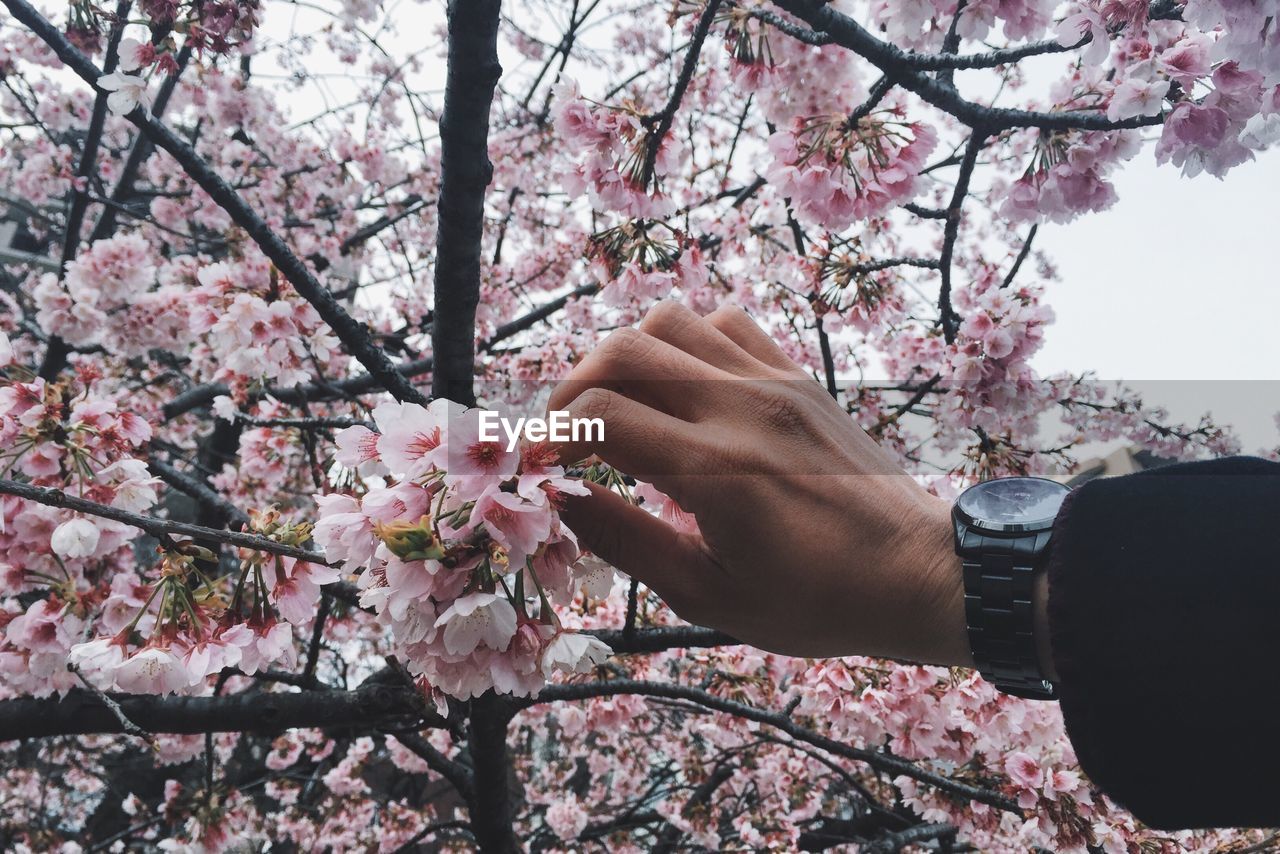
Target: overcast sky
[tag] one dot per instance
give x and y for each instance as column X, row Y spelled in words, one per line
column 1175, row 290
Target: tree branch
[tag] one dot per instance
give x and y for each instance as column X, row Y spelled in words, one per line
column 1022, row 256
column 458, row 775
column 892, row 843
column 660, row 638
column 951, row 43
column 162, row 529
column 907, row 70
column 82, row 713
column 879, row 761
column 491, row 812
column 200, row 491
column 465, row 173
column 667, row 115
column 951, row 320
column 106, row 699
column 542, row 312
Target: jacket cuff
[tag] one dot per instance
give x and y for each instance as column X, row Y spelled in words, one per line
column 1164, row 617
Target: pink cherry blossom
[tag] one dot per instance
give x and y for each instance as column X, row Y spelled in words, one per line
column 1137, row 98
column 573, row 653
column 477, row 619
column 152, row 670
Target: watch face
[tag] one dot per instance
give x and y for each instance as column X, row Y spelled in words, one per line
column 1012, row 504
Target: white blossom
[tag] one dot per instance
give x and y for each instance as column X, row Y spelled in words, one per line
column 573, row 653
column 128, row 92
column 75, row 538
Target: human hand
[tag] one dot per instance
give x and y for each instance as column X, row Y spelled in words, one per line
column 812, row 541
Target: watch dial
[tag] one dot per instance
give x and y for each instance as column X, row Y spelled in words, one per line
column 1022, row 501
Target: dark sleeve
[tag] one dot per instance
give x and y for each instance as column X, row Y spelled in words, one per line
column 1164, row 615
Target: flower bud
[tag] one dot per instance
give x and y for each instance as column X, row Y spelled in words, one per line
column 411, row 540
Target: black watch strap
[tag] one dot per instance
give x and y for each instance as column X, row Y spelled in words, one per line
column 999, row 576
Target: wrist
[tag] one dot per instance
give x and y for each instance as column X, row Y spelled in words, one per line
column 943, row 637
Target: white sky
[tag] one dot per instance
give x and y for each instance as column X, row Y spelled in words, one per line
column 1175, row 291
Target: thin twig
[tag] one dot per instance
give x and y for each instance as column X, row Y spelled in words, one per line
column 908, row 71
column 879, row 761
column 664, row 118
column 126, row 725
column 159, row 528
column 950, row 320
column 1022, row 256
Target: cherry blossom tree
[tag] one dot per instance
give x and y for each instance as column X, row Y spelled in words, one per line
column 265, row 582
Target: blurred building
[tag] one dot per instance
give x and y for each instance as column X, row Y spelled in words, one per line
column 1125, row 460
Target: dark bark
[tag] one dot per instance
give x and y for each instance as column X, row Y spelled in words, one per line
column 491, row 808
column 465, row 174
column 659, row 638
column 891, row 843
column 947, row 314
column 82, row 712
column 905, row 69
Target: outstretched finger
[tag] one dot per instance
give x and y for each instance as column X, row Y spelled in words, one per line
column 674, row 564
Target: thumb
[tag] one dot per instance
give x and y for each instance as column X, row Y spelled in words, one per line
column 676, row 565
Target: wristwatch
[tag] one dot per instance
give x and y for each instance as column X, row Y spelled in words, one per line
column 1002, row 530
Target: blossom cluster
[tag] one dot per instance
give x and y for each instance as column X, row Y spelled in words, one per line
column 850, row 291
column 69, row 437
column 637, row 263
column 108, row 297
column 119, row 295
column 1210, row 135
column 463, row 549
column 1067, row 176
column 169, row 636
column 615, row 165
column 255, row 327
column 836, row 170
